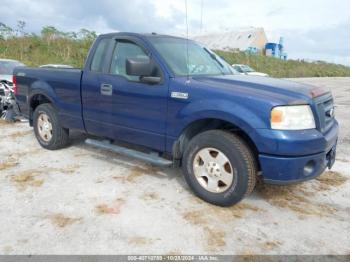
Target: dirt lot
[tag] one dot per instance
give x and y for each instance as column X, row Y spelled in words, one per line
column 81, row 200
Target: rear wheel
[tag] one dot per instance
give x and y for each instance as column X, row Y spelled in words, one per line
column 219, row 167
column 48, row 131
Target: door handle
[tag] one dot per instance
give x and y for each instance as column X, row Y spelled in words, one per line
column 106, row 89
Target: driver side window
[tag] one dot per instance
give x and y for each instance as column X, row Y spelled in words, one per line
column 124, row 50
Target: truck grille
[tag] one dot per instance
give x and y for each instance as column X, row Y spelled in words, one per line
column 325, row 112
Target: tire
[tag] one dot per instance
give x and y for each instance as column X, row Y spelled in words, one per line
column 55, row 137
column 219, row 147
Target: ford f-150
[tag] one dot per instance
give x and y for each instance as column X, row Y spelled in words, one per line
column 182, row 103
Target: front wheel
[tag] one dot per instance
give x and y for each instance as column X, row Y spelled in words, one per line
column 219, row 167
column 48, row 131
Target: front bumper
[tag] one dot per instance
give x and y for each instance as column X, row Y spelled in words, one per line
column 287, row 169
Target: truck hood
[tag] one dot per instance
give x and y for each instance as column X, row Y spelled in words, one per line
column 272, row 87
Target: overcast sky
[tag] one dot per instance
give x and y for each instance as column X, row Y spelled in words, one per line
column 313, row 29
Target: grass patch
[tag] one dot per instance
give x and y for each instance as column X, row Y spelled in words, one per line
column 27, row 178
column 285, row 69
column 62, row 221
column 8, row 163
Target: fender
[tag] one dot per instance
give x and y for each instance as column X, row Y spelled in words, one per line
column 64, row 110
column 221, row 109
column 40, row 88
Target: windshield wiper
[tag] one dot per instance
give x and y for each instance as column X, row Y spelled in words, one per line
column 214, row 57
column 224, row 70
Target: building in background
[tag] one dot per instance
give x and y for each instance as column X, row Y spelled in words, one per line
column 251, row 40
column 276, row 49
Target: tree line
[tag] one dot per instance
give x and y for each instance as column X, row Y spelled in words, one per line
column 50, row 46
column 53, row 46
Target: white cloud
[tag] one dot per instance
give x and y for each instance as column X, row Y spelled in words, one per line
column 165, row 8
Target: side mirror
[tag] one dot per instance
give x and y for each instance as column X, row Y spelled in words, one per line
column 144, row 68
column 139, row 66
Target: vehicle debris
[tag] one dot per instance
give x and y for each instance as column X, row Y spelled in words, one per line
column 9, row 110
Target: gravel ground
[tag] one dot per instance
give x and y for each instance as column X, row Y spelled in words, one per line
column 82, row 200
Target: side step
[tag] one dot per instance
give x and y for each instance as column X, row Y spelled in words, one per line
column 151, row 158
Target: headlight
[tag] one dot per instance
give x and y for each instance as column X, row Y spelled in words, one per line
column 296, row 117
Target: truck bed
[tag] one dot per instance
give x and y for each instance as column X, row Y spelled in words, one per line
column 62, row 85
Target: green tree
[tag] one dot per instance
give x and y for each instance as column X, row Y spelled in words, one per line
column 21, row 35
column 87, row 35
column 5, row 31
column 20, row 28
column 49, row 33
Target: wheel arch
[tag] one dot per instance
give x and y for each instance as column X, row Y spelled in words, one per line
column 40, row 92
column 37, row 99
column 198, row 126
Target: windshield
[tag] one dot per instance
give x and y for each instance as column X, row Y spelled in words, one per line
column 200, row 60
column 6, row 67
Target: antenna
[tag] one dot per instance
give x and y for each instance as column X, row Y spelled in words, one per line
column 201, row 17
column 188, row 59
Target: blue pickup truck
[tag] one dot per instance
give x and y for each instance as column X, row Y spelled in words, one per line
column 180, row 103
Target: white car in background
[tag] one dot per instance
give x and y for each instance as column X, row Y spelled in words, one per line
column 246, row 70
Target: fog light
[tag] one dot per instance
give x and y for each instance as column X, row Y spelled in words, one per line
column 309, row 168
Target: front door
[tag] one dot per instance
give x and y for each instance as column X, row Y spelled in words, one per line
column 124, row 108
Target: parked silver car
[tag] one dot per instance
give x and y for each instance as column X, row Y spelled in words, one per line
column 6, row 68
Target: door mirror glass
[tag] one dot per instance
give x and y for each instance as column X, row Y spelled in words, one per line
column 144, row 68
column 139, row 66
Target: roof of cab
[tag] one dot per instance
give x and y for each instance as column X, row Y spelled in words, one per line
column 143, row 35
